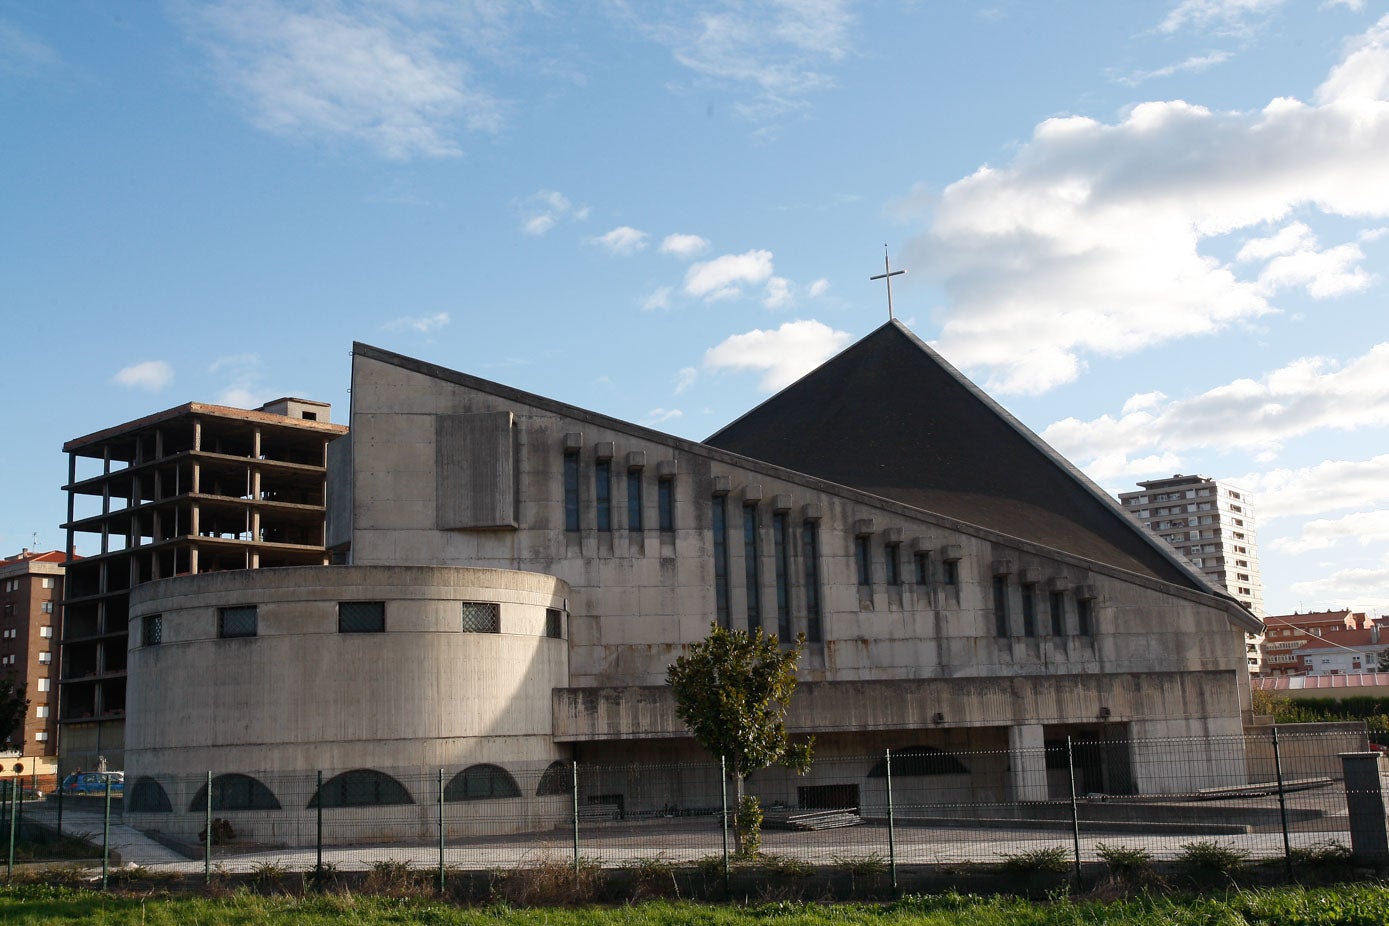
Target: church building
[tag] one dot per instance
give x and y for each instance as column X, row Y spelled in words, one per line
column 513, row 575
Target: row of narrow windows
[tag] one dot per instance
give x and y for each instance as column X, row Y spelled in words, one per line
column 1056, row 612
column 922, row 565
column 354, row 617
column 782, row 541
column 604, row 513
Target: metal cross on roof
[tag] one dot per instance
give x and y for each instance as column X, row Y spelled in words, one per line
column 887, row 274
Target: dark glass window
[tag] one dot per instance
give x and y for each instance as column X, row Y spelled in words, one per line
column 783, row 576
column 665, row 504
column 863, row 560
column 752, row 575
column 1058, row 614
column 1085, row 613
column 482, row 617
column 236, row 792
column 481, row 783
column 1001, row 606
column 362, row 787
column 720, row 521
column 571, row 491
column 557, row 779
column 361, row 617
column 922, row 560
column 634, row 500
column 1029, row 610
column 148, row 796
column 950, row 570
column 236, row 622
column 892, row 559
column 603, row 494
column 554, row 623
column 918, row 760
column 810, row 549
column 153, row 633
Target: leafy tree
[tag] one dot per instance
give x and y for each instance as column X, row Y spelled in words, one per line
column 732, row 690
column 13, row 704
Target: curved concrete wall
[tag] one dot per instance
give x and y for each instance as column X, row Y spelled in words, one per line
column 300, row 696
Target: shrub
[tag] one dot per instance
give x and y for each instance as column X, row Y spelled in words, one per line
column 1054, row 860
column 1125, row 862
column 548, row 880
column 747, row 827
column 1206, row 859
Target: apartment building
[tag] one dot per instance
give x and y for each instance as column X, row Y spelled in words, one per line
column 1211, row 523
column 190, row 490
column 1340, row 642
column 31, row 585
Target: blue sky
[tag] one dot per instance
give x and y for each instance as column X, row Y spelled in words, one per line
column 1156, row 232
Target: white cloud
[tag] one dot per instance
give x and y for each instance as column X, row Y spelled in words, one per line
column 391, row 76
column 1089, row 240
column 1228, row 16
column 1294, row 260
column 1195, row 64
column 623, row 241
column 151, row 375
column 423, row 324
column 1309, row 394
column 1359, row 588
column 22, row 53
column 782, row 355
column 724, row 277
column 244, row 390
column 659, row 299
column 1327, row 486
column 818, row 288
column 685, row 246
column 778, row 293
column 777, row 52
column 685, row 378
column 1362, row 527
column 661, row 415
column 544, row 209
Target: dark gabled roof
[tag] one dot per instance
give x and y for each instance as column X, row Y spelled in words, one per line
column 889, row 416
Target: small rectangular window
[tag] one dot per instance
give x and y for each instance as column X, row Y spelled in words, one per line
column 571, row 491
column 1029, row 610
column 482, row 617
column 41, row 736
column 41, row 711
column 152, row 630
column 554, row 623
column 603, row 494
column 44, row 684
column 361, row 617
column 45, row 658
column 634, row 500
column 1058, row 614
column 1085, row 612
column 922, row 560
column 863, row 560
column 236, row 622
column 665, row 504
column 892, row 559
column 48, row 607
column 950, row 571
column 1000, row 606
column 46, row 632
column 47, row 582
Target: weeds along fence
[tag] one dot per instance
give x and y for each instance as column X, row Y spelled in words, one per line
column 1276, row 795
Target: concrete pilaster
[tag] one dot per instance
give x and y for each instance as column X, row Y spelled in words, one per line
column 1027, row 762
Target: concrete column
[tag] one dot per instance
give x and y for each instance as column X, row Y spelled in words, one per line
column 1369, row 839
column 1027, row 762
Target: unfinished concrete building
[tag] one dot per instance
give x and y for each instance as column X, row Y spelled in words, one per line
column 189, row 490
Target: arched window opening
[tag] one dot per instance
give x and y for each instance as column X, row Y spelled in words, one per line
column 148, row 796
column 235, row 792
column 481, row 783
column 362, row 787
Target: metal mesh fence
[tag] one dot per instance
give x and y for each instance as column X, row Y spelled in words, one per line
column 1269, row 795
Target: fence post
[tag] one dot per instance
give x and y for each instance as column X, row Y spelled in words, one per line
column 441, row 831
column 207, row 832
column 1075, row 808
column 318, row 839
column 575, row 790
column 106, row 836
column 60, row 805
column 9, row 866
column 1282, row 805
column 891, row 823
column 723, row 782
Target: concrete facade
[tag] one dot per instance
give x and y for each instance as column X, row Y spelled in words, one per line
column 921, row 630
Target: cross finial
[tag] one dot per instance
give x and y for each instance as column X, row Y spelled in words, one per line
column 887, row 274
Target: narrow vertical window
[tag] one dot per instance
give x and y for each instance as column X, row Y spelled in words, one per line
column 720, row 512
column 1029, row 610
column 571, row 491
column 810, row 548
column 634, row 500
column 603, row 494
column 950, row 572
column 752, row 574
column 1000, row 606
column 665, row 504
column 892, row 559
column 922, row 559
column 863, row 560
column 1058, row 614
column 1085, row 613
column 783, row 577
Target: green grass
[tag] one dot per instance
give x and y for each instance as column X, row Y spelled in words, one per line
column 1353, row 905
